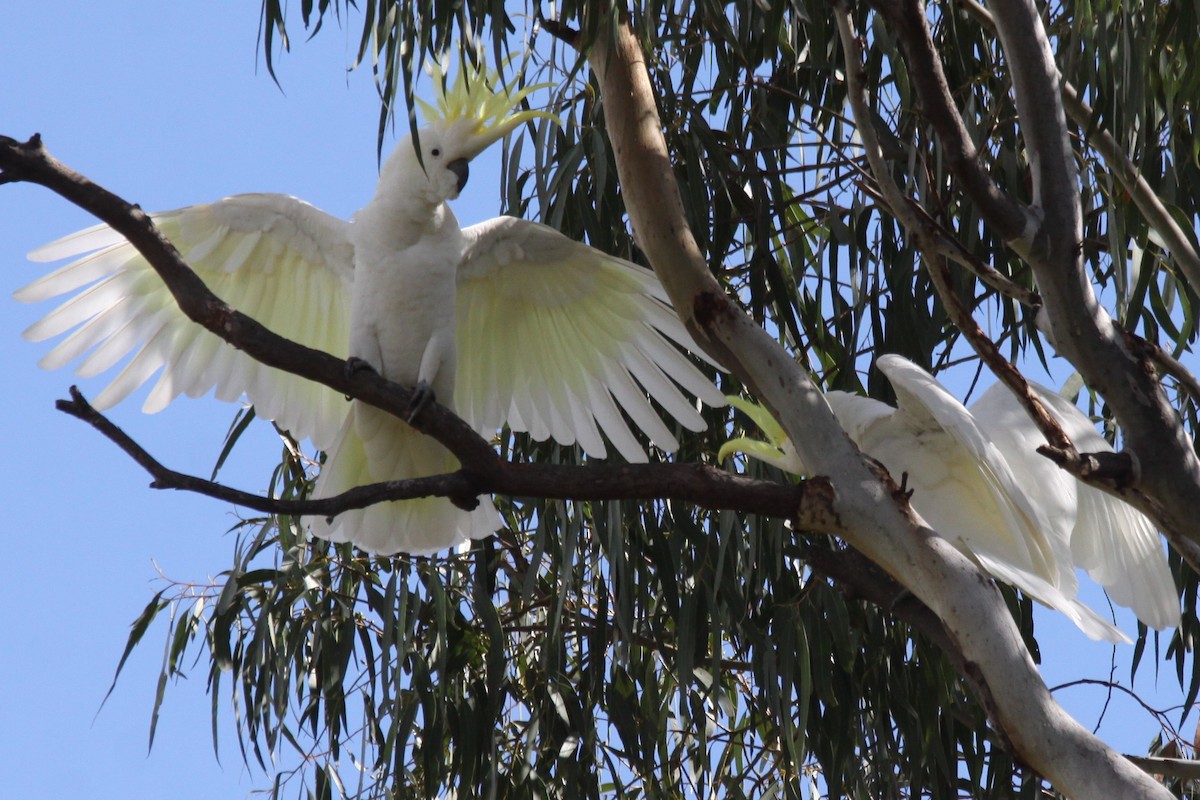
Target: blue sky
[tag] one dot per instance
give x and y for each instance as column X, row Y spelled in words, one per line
column 168, row 104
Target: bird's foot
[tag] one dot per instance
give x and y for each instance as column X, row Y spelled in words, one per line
column 422, row 396
column 355, row 365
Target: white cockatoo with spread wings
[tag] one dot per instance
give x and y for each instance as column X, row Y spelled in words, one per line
column 977, row 479
column 507, row 321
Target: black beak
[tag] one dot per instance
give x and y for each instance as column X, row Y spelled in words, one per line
column 461, row 170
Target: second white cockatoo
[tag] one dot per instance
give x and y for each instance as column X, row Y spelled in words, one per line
column 507, row 321
column 977, row 479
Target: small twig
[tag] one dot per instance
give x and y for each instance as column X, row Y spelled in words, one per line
column 1171, row 366
column 456, row 484
column 941, row 241
column 561, row 31
column 1112, row 686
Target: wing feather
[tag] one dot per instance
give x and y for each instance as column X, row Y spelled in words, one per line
column 277, row 259
column 97, row 237
column 562, row 341
column 100, row 327
column 75, row 275
column 1022, row 531
column 121, row 343
column 966, row 489
column 1115, row 543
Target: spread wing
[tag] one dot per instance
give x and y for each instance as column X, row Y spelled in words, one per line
column 274, row 258
column 977, row 494
column 1117, row 544
column 558, row 339
column 1021, row 532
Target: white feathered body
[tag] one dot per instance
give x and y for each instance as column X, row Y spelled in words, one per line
column 407, row 249
column 1116, row 544
column 965, row 490
column 406, row 256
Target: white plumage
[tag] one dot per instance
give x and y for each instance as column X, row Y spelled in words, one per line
column 977, row 479
column 1117, row 545
column 507, row 321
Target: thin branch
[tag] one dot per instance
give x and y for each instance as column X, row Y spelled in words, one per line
column 947, row 246
column 453, row 485
column 1160, row 716
column 1181, row 768
column 807, row 503
column 1169, row 365
column 907, row 17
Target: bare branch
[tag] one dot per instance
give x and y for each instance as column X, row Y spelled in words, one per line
column 1181, row 768
column 907, row 18
column 454, row 485
column 807, row 504
column 875, row 523
column 1171, row 366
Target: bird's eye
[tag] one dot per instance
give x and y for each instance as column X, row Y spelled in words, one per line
column 436, row 152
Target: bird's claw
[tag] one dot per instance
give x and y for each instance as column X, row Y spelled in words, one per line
column 422, row 396
column 355, row 365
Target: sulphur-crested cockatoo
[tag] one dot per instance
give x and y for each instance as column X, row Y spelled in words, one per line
column 977, row 479
column 505, row 321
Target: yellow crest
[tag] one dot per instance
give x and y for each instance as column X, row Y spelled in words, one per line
column 473, row 95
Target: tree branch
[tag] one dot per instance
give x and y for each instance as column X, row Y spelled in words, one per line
column 1124, row 170
column 807, row 503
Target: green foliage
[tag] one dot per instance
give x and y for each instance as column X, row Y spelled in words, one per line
column 651, row 650
column 602, row 650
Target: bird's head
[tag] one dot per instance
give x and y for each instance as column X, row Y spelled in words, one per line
column 469, row 114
